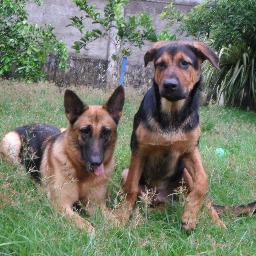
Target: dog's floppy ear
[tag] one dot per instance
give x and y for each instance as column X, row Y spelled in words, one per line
column 115, row 103
column 204, row 52
column 74, row 107
column 151, row 54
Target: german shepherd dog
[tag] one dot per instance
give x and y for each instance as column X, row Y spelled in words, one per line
column 25, row 145
column 166, row 132
column 75, row 165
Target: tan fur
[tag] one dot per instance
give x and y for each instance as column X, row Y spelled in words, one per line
column 188, row 78
column 168, row 106
column 10, row 147
column 77, row 163
column 62, row 169
column 156, row 142
column 182, row 142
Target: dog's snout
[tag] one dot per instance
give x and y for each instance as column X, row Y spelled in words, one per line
column 171, row 84
column 95, row 160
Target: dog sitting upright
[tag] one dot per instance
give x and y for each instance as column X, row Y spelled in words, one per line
column 166, row 130
column 75, row 165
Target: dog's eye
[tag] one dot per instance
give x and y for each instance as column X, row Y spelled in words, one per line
column 161, row 65
column 184, row 64
column 86, row 130
column 105, row 132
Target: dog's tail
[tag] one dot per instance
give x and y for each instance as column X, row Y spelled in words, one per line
column 215, row 211
column 236, row 210
column 10, row 147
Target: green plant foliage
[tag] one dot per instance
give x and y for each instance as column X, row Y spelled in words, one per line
column 236, row 80
column 131, row 30
column 24, row 47
column 230, row 25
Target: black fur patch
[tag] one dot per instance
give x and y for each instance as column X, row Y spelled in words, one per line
column 155, row 171
column 150, row 108
column 33, row 137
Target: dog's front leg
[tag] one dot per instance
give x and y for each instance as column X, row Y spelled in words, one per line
column 100, row 204
column 131, row 188
column 195, row 198
column 109, row 216
column 211, row 210
column 77, row 219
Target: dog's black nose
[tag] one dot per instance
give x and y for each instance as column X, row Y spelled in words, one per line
column 171, row 84
column 95, row 160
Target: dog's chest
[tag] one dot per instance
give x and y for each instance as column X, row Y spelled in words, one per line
column 160, row 165
column 163, row 152
column 178, row 141
column 94, row 187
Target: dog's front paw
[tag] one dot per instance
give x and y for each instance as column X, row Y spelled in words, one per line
column 110, row 218
column 86, row 226
column 122, row 215
column 90, row 230
column 188, row 221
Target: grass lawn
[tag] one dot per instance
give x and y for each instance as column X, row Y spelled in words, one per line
column 30, row 226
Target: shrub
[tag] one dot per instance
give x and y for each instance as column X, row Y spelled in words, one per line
column 125, row 31
column 230, row 26
column 24, row 47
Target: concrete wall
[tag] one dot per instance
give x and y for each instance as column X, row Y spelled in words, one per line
column 91, row 65
column 57, row 13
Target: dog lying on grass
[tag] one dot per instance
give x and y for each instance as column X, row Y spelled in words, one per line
column 74, row 165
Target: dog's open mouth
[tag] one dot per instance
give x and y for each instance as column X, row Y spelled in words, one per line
column 97, row 170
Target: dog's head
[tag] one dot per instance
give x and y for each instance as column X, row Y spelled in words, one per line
column 177, row 66
column 93, row 128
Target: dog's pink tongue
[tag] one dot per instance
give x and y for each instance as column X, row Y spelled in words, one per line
column 99, row 170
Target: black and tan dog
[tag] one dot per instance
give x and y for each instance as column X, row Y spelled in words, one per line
column 25, row 145
column 75, row 165
column 166, row 131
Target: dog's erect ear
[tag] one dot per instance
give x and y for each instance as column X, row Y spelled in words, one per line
column 204, row 52
column 74, row 107
column 115, row 103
